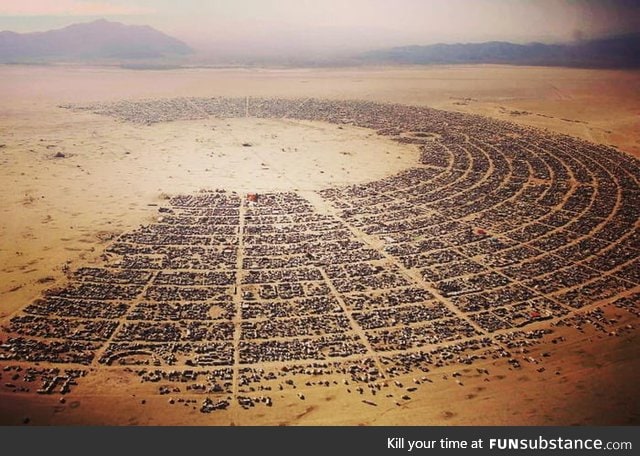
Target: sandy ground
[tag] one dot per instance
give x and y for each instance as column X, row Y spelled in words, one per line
column 60, row 212
column 598, row 105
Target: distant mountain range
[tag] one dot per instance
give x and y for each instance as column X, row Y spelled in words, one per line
column 620, row 51
column 134, row 46
column 94, row 41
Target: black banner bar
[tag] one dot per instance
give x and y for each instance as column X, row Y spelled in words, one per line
column 329, row 441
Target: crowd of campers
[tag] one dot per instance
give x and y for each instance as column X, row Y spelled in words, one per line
column 62, row 328
column 323, row 347
column 198, row 233
column 51, row 306
column 253, row 379
column 50, row 350
column 168, row 353
column 314, row 305
column 496, row 228
column 16, row 378
column 630, row 303
column 456, row 353
column 200, row 311
column 413, row 336
column 402, row 315
column 192, row 380
column 386, row 298
column 188, row 330
column 295, row 327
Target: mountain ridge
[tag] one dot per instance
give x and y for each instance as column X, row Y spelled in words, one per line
column 142, row 46
column 617, row 51
column 97, row 40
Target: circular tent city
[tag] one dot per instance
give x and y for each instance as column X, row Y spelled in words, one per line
column 496, row 237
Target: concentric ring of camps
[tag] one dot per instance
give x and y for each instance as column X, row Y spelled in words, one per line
column 498, row 234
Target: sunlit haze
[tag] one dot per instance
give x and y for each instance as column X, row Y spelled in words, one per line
column 256, row 27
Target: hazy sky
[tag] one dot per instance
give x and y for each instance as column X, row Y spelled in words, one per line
column 270, row 26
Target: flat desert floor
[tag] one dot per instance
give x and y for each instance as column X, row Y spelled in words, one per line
column 74, row 181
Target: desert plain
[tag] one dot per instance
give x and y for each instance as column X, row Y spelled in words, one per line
column 74, row 181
